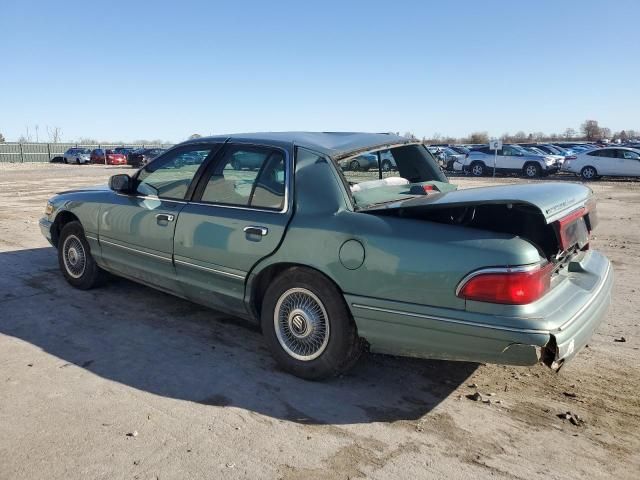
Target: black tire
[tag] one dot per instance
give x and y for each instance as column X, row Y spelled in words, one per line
column 386, row 166
column 64, row 160
column 89, row 274
column 532, row 170
column 354, row 165
column 478, row 169
column 336, row 349
column 588, row 173
column 78, row 161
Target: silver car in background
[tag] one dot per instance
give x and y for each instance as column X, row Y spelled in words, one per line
column 77, row 155
column 511, row 159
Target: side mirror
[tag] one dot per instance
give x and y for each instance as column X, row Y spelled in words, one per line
column 120, row 183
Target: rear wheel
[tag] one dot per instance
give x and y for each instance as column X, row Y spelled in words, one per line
column 354, row 165
column 532, row 170
column 386, row 166
column 307, row 325
column 588, row 173
column 478, row 169
column 75, row 260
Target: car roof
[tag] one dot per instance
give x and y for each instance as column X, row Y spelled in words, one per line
column 332, row 144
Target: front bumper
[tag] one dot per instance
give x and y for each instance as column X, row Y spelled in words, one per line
column 45, row 229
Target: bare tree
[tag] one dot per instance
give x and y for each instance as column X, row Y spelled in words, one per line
column 605, row 132
column 55, row 134
column 591, row 130
column 479, row 137
column 2, row 139
column 569, row 133
column 410, row 135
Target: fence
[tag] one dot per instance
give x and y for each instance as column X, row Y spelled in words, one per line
column 46, row 152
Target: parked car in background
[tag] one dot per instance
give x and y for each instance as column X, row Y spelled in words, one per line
column 77, row 155
column 140, row 157
column 608, row 161
column 364, row 163
column 511, row 159
column 126, row 151
column 112, row 158
column 559, row 159
column 403, row 265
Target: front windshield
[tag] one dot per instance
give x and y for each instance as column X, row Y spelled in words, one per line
column 382, row 176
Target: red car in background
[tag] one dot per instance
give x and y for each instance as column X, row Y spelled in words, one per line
column 113, row 158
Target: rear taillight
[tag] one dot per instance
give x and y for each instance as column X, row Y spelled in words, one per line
column 511, row 286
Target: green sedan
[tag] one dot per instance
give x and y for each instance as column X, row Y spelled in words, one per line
column 331, row 265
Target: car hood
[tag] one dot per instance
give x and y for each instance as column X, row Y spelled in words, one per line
column 553, row 200
column 92, row 188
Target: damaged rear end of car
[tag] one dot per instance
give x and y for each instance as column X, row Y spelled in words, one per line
column 543, row 310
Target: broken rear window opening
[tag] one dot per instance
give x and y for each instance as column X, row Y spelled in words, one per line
column 390, row 173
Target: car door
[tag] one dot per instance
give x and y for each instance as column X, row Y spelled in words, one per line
column 629, row 162
column 136, row 230
column 607, row 161
column 238, row 215
column 510, row 160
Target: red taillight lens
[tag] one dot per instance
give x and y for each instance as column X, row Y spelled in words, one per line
column 511, row 286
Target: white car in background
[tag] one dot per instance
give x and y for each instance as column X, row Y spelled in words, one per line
column 608, row 161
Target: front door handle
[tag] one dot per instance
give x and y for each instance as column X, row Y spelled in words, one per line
column 164, row 217
column 256, row 230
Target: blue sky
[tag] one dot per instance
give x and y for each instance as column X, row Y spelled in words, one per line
column 115, row 70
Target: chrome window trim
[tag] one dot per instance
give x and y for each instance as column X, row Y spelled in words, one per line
column 151, row 197
column 288, row 185
column 450, row 320
column 142, row 252
column 208, row 269
column 482, row 271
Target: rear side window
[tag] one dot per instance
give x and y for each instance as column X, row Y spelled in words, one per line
column 248, row 176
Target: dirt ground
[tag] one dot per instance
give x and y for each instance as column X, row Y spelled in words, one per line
column 127, row 382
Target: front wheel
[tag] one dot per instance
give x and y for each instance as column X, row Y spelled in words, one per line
column 307, row 325
column 386, row 166
column 588, row 173
column 75, row 260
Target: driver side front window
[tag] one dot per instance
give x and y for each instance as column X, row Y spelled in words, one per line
column 170, row 176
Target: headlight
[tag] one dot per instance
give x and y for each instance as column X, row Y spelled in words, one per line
column 48, row 210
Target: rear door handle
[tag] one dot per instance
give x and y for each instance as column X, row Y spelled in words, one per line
column 256, row 230
column 164, row 217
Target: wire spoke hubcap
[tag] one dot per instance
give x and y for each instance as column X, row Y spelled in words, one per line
column 74, row 256
column 301, row 324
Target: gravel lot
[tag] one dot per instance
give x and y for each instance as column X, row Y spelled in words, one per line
column 128, row 382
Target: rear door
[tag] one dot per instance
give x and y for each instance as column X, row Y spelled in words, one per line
column 237, row 216
column 630, row 162
column 136, row 230
column 607, row 163
column 510, row 160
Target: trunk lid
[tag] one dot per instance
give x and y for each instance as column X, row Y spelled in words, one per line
column 552, row 200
